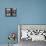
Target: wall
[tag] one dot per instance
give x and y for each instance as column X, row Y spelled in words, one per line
column 28, row 12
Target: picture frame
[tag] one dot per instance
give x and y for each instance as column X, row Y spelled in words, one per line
column 10, row 12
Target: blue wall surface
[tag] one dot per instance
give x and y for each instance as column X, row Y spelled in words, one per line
column 28, row 12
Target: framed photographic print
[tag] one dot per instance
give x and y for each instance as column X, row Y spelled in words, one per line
column 10, row 11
